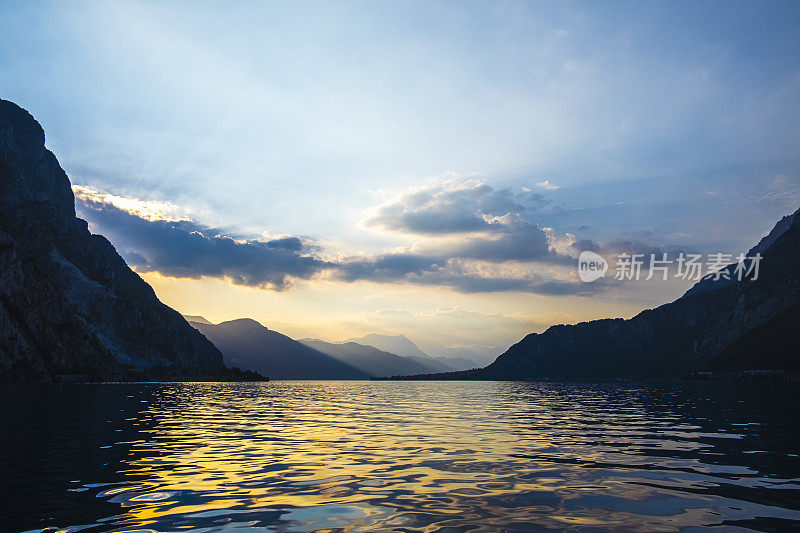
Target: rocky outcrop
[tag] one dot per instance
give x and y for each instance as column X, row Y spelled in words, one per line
column 68, row 302
column 717, row 325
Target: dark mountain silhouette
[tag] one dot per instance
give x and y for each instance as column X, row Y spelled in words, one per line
column 247, row 344
column 772, row 345
column 717, row 325
column 69, row 305
column 371, row 360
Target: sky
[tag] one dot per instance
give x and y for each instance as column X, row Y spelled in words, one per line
column 432, row 169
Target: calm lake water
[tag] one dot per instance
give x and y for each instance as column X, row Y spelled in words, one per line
column 405, row 456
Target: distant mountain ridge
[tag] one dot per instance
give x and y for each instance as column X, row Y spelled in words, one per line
column 247, row 344
column 197, row 318
column 405, row 347
column 375, row 362
column 716, row 325
column 476, row 356
column 457, row 363
column 396, row 344
column 69, row 305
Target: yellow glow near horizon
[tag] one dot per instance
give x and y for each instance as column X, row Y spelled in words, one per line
column 335, row 311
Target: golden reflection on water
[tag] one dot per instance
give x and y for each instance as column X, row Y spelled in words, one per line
column 367, row 456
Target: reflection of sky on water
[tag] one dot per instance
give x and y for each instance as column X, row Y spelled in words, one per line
column 301, row 456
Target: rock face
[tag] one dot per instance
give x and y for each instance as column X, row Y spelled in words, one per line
column 717, row 325
column 247, row 344
column 68, row 302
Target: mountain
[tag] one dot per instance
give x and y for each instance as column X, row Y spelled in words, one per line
column 725, row 325
column 371, row 360
column 457, row 363
column 483, row 355
column 69, row 305
column 396, row 344
column 403, row 346
column 776, row 343
column 197, row 318
column 249, row 345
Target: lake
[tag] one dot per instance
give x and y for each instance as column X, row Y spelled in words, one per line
column 400, row 456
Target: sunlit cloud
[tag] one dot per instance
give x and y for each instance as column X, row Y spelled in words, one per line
column 151, row 210
column 181, row 248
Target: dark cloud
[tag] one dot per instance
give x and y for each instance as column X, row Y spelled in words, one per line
column 514, row 239
column 443, row 272
column 287, row 243
column 478, row 221
column 184, row 249
column 388, row 267
column 537, row 200
column 624, row 247
column 446, row 208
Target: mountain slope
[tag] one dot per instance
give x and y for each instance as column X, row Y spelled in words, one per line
column 724, row 325
column 396, row 344
column 773, row 345
column 457, row 363
column 371, row 360
column 68, row 302
column 249, row 345
column 477, row 355
column 197, row 318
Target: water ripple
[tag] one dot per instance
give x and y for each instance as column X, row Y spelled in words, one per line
column 364, row 456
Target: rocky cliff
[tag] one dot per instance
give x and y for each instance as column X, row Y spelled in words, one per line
column 68, row 302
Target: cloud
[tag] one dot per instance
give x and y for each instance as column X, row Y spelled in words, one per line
column 501, row 253
column 546, row 185
column 146, row 209
column 183, row 249
column 448, row 207
column 453, row 316
column 463, row 275
column 467, row 219
column 513, row 238
column 391, row 314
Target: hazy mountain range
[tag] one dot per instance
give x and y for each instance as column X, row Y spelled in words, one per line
column 402, row 345
column 397, row 344
column 247, row 344
column 372, row 360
